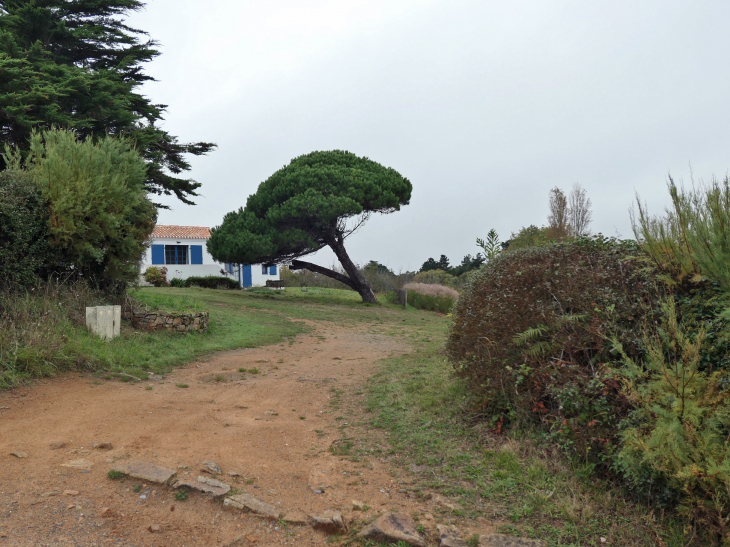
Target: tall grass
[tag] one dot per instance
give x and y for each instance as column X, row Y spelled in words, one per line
column 431, row 297
column 694, row 235
column 33, row 328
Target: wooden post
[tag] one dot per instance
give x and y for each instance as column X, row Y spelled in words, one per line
column 402, row 297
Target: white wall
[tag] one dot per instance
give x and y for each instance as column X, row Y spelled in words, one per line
column 258, row 279
column 208, row 267
column 183, row 271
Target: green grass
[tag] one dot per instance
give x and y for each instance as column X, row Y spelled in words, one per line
column 168, row 302
column 517, row 482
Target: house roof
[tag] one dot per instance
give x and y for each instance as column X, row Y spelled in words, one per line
column 162, row 231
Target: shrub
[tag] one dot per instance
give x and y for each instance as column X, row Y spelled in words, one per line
column 212, row 282
column 99, row 216
column 156, row 276
column 693, row 237
column 431, row 297
column 530, row 336
column 24, row 248
column 432, row 290
column 432, row 277
column 679, row 430
column 178, row 282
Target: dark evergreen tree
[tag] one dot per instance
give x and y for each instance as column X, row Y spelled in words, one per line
column 468, row 263
column 429, row 265
column 306, row 206
column 75, row 64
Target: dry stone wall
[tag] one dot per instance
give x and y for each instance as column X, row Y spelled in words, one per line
column 171, row 322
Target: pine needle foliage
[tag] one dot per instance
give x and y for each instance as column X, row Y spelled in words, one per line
column 76, row 64
column 692, row 239
column 681, row 426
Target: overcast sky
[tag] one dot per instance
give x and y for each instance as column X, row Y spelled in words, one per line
column 484, row 105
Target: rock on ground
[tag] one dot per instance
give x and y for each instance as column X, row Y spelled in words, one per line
column 296, row 518
column 209, row 466
column 394, row 527
column 102, row 446
column 205, row 485
column 330, row 522
column 79, row 464
column 449, row 536
column 245, row 502
column 502, row 540
column 145, row 471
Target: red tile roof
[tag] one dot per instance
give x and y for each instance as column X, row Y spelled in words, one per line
column 180, row 232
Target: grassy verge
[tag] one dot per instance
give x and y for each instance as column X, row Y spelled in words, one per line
column 521, row 485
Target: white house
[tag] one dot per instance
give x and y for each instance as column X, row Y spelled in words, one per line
column 181, row 249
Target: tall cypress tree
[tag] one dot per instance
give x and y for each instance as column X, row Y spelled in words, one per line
column 75, row 64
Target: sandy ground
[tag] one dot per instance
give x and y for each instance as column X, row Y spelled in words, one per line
column 275, row 428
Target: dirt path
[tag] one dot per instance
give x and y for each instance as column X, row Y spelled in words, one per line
column 274, row 427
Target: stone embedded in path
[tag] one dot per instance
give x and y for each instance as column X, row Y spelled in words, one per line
column 102, row 446
column 394, row 527
column 19, row 454
column 211, row 467
column 330, row 522
column 70, row 492
column 145, row 471
column 502, row 540
column 79, row 464
column 244, row 502
column 296, row 517
column 449, row 536
column 57, row 445
column 154, row 528
column 205, row 485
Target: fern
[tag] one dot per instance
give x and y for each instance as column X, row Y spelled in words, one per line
column 523, row 338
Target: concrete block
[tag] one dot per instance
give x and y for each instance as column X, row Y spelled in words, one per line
column 104, row 321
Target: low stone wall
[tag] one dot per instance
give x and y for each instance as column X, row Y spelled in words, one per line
column 171, row 322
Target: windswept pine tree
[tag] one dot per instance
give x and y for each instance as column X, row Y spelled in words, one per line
column 316, row 201
column 75, row 64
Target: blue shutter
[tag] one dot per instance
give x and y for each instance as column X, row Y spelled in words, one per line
column 272, row 270
column 158, row 254
column 196, row 254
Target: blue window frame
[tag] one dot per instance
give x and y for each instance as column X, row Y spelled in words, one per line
column 264, row 270
column 176, row 254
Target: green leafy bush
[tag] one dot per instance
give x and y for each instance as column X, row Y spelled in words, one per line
column 213, row 282
column 156, row 276
column 99, row 216
column 530, row 336
column 24, row 248
column 178, row 282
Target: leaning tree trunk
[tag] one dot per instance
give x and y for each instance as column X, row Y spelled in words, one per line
column 359, row 283
column 353, row 279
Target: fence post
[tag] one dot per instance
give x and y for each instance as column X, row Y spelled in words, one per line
column 402, row 297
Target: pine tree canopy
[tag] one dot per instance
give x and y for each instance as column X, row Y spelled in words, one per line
column 318, row 200
column 75, row 64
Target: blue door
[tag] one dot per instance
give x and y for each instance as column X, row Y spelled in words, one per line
column 247, row 279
